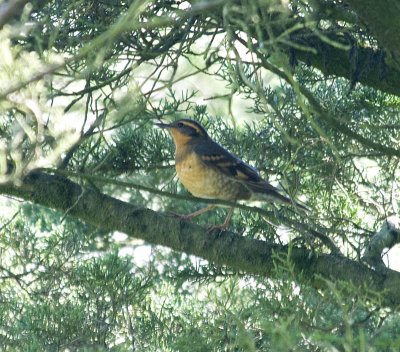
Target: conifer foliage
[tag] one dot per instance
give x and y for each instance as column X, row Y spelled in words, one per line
column 93, row 257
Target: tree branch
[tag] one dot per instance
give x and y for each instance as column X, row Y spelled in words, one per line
column 314, row 47
column 386, row 237
column 241, row 253
column 382, row 18
column 359, row 64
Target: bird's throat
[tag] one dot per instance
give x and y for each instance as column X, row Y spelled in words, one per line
column 180, row 139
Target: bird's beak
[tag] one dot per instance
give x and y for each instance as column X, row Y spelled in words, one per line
column 163, row 125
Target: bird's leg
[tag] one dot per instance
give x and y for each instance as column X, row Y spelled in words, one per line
column 199, row 212
column 190, row 216
column 228, row 218
column 223, row 226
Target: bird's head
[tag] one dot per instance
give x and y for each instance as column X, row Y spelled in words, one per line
column 184, row 131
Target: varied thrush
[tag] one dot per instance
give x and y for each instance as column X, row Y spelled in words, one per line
column 207, row 170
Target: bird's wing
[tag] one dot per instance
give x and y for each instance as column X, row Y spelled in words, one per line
column 213, row 155
column 217, row 157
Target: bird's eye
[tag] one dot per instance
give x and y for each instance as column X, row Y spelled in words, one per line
column 180, row 124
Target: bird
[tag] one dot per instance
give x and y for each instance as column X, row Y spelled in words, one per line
column 209, row 171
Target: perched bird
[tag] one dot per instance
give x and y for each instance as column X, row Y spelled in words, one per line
column 207, row 170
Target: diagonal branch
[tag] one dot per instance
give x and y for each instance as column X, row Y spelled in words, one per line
column 359, row 64
column 298, row 225
column 382, row 18
column 241, row 253
column 339, row 53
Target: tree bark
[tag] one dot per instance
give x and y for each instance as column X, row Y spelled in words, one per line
column 240, row 253
column 382, row 18
column 362, row 65
column 371, row 65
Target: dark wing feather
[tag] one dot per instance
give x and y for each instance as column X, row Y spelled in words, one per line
column 215, row 156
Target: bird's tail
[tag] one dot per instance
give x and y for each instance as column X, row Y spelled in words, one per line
column 265, row 191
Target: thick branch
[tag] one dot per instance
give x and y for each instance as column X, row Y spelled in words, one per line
column 386, row 237
column 338, row 52
column 241, row 253
column 382, row 18
column 358, row 64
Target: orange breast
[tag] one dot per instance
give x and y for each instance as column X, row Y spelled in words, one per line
column 205, row 182
column 196, row 179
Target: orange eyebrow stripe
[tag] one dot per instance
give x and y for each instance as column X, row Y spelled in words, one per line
column 194, row 126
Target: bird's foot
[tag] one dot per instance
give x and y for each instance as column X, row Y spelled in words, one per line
column 221, row 228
